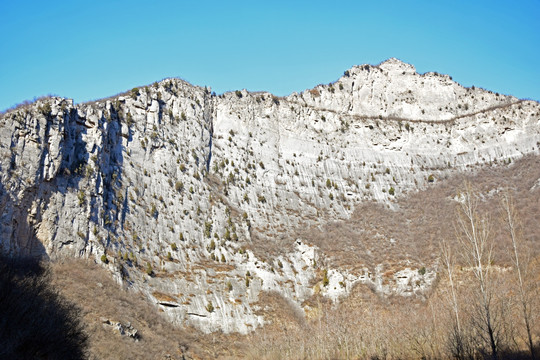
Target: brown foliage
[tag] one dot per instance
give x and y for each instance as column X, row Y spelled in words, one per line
column 366, row 326
column 99, row 297
column 363, row 325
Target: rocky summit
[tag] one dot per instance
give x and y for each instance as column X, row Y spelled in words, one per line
column 203, row 201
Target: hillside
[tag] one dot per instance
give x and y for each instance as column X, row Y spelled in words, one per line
column 205, row 202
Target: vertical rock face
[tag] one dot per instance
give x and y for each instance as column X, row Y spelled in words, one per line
column 195, row 198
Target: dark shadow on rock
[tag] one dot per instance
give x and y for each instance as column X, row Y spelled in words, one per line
column 110, row 167
column 19, row 237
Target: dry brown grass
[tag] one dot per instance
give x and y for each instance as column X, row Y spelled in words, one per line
column 421, row 220
column 364, row 325
column 99, row 297
column 426, row 217
column 367, row 326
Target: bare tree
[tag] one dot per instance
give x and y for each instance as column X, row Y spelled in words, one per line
column 449, row 264
column 511, row 220
column 473, row 234
column 457, row 341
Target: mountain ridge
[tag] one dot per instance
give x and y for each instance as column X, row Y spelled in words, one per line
column 198, row 196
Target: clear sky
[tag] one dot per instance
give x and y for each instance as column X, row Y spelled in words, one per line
column 93, row 49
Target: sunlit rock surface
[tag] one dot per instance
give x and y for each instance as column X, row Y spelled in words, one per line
column 194, row 198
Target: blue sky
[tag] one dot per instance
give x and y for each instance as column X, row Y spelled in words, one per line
column 93, row 49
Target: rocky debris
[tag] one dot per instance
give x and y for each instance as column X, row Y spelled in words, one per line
column 196, row 196
column 122, row 329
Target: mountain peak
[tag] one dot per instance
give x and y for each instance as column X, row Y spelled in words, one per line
column 196, row 186
column 396, row 65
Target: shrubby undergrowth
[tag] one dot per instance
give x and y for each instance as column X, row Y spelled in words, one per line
column 35, row 321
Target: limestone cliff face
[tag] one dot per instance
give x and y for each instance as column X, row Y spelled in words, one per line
column 204, row 192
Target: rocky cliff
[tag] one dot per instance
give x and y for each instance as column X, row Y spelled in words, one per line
column 196, row 198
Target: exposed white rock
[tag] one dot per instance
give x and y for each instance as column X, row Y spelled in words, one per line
column 175, row 181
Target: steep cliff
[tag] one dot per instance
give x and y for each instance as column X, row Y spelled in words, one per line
column 197, row 199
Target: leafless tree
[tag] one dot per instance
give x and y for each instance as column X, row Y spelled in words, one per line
column 449, row 264
column 511, row 220
column 476, row 242
column 457, row 338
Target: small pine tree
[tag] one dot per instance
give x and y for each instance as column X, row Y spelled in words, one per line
column 82, row 197
column 208, row 229
column 153, row 211
column 179, row 186
column 325, row 280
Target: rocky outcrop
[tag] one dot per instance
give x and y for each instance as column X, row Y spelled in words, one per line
column 193, row 198
column 117, row 327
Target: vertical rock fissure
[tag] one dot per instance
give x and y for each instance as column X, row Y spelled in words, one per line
column 209, row 119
